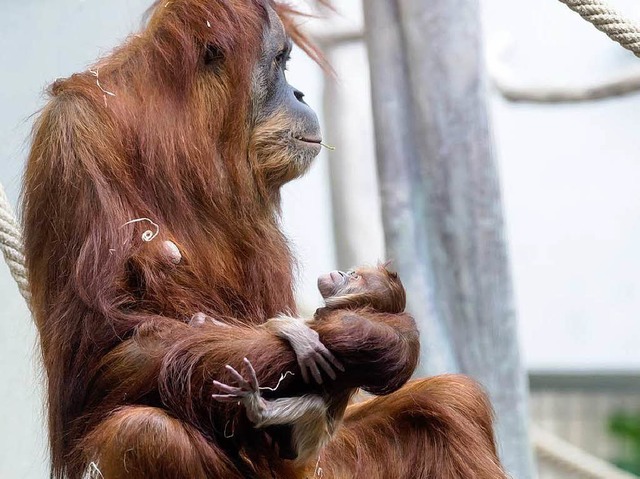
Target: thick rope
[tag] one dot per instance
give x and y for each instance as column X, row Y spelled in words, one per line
column 609, row 21
column 11, row 245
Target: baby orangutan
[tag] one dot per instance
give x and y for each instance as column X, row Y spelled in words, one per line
column 367, row 287
column 303, row 424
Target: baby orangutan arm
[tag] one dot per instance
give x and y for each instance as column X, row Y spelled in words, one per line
column 310, row 353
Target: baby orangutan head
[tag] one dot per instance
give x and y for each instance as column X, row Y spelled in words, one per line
column 373, row 287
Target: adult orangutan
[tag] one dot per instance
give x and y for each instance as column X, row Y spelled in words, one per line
column 152, row 194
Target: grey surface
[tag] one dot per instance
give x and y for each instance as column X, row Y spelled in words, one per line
column 442, row 202
column 570, row 178
column 587, row 382
column 359, row 238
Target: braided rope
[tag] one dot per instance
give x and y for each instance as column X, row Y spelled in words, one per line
column 609, row 21
column 11, row 245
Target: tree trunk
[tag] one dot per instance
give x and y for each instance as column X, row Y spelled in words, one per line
column 441, row 200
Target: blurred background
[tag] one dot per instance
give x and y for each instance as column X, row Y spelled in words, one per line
column 570, row 180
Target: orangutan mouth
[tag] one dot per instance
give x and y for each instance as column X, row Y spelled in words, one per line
column 317, row 141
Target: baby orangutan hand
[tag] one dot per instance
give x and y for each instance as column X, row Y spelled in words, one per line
column 310, row 352
column 247, row 392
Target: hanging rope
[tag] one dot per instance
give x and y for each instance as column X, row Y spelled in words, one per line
column 11, row 245
column 609, row 21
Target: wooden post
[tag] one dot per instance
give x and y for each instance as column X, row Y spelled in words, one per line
column 441, row 200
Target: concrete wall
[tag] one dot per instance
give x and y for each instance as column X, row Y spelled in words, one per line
column 570, row 177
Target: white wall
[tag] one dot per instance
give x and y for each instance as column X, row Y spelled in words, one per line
column 570, row 179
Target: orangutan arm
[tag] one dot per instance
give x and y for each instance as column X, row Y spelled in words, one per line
column 181, row 362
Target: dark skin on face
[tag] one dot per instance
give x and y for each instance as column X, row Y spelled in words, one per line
column 273, row 97
column 337, row 283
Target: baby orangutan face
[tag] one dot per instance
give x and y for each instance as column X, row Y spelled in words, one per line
column 367, row 287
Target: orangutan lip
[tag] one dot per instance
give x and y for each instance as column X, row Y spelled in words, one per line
column 308, row 140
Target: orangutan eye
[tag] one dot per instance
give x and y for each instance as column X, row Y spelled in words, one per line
column 283, row 58
column 213, row 56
